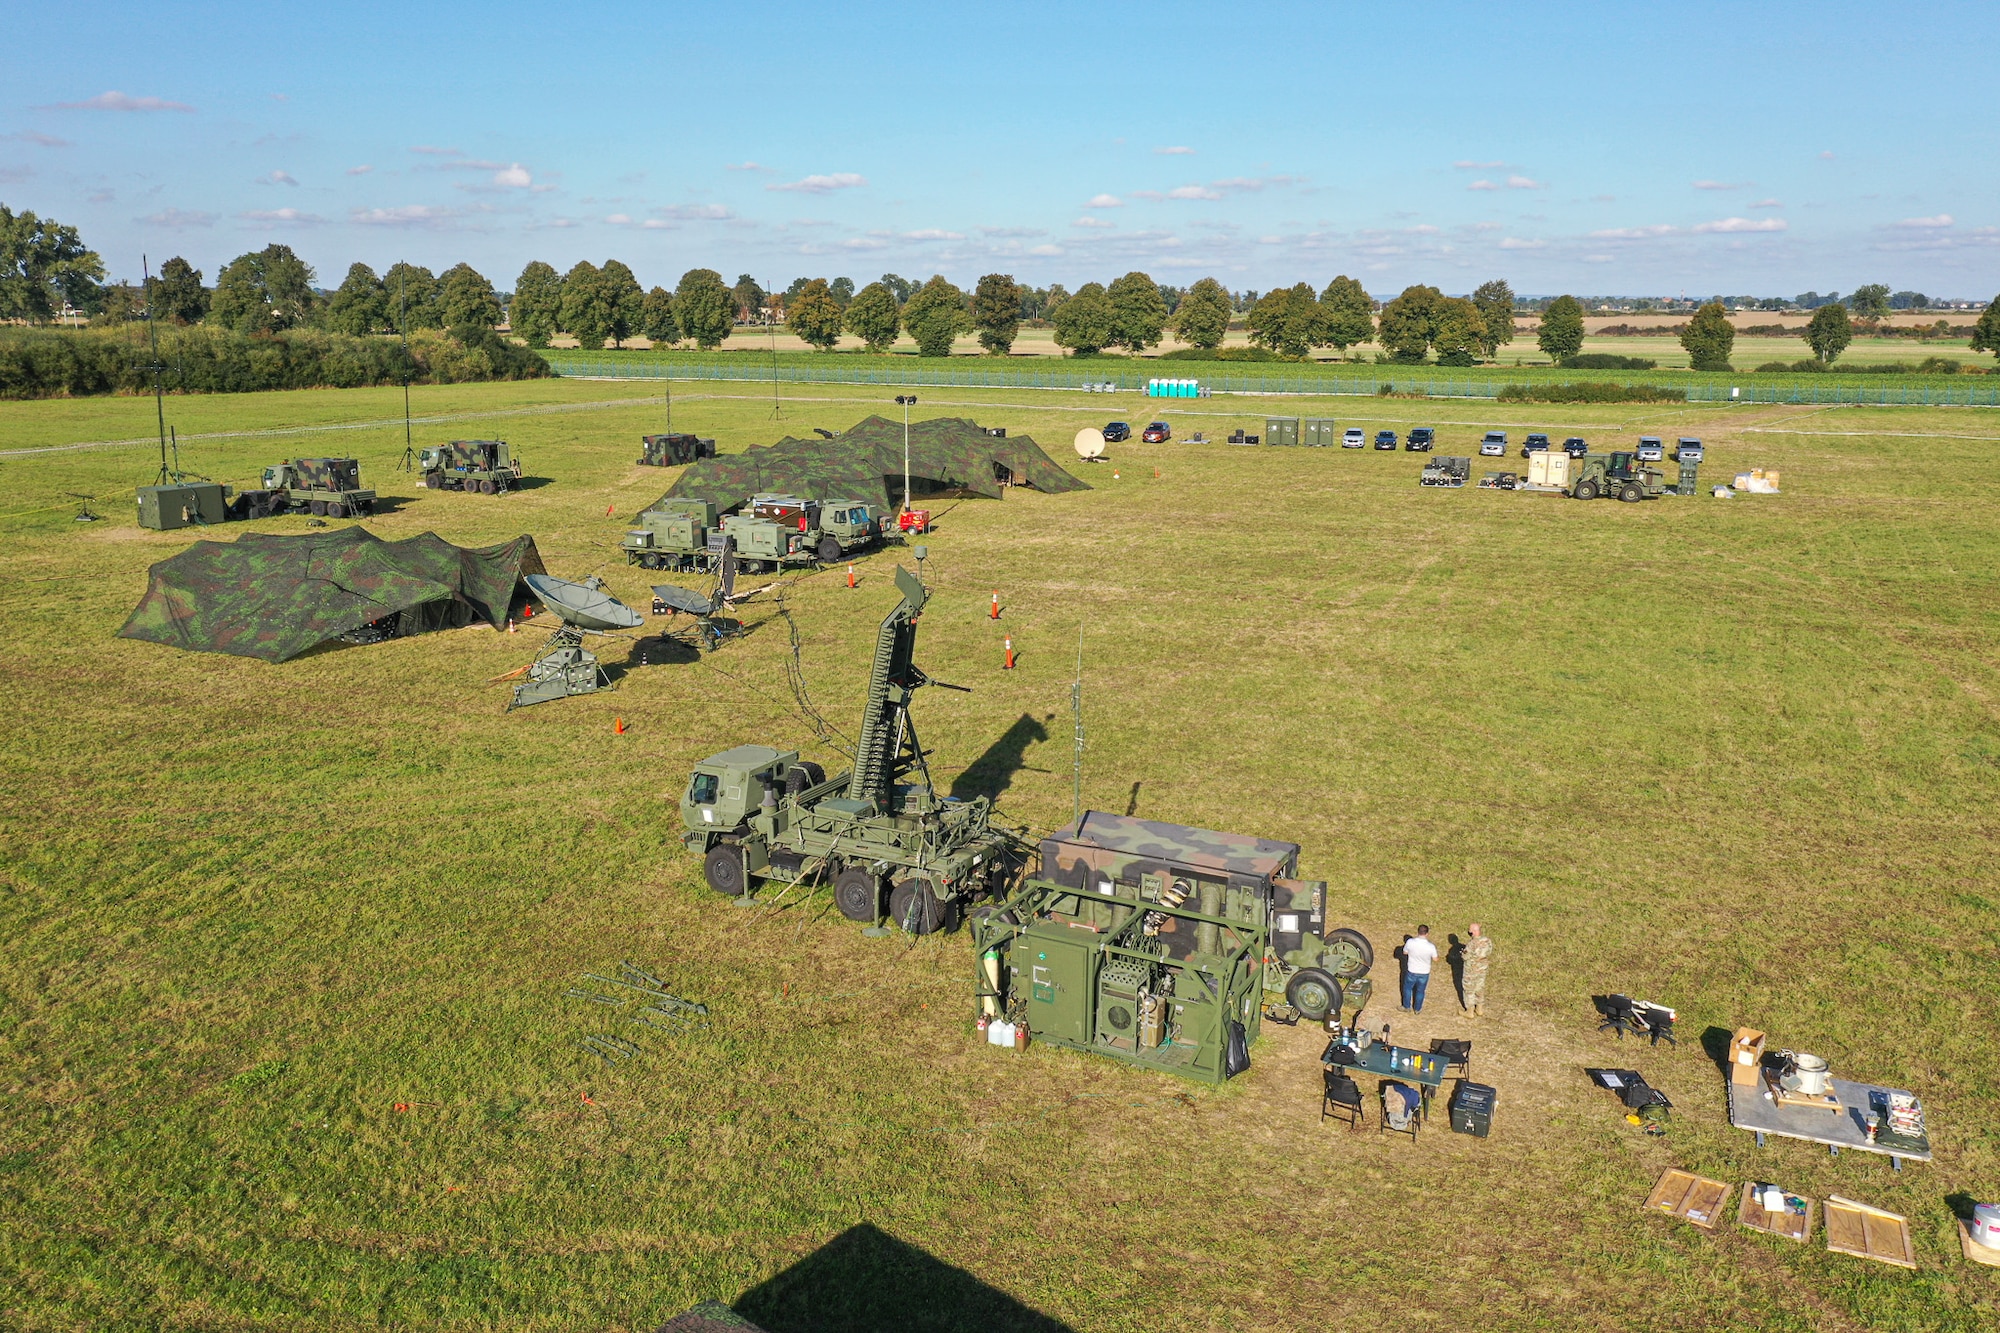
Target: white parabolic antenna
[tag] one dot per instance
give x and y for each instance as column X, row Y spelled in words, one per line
column 1090, row 443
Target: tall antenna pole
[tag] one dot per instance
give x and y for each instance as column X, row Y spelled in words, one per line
column 771, row 331
column 1076, row 713
column 403, row 332
column 159, row 392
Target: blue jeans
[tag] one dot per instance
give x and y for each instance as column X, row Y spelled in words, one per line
column 1414, row 985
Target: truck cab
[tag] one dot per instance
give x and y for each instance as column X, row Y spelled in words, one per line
column 727, row 790
column 851, row 524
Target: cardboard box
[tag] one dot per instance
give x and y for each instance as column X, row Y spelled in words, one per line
column 1746, row 1054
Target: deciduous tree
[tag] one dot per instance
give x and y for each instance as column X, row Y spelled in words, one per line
column 412, row 295
column 1086, row 323
column 1986, row 333
column 749, row 298
column 584, row 316
column 996, row 312
column 1709, row 338
column 1870, row 302
column 1461, row 334
column 358, row 305
column 1138, row 312
column 1347, row 314
column 704, row 308
column 1287, row 320
column 842, row 290
column 263, row 292
column 1409, row 324
column 466, row 300
column 1828, row 332
column 43, row 264
column 899, row 287
column 1561, row 335
column 935, row 314
column 656, row 318
column 624, row 301
column 536, row 310
column 178, row 294
column 1495, row 301
column 1202, row 319
column 813, row 314
column 874, row 317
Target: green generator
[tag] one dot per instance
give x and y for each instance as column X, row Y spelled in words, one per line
column 183, row 505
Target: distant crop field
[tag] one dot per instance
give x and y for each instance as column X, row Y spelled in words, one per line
column 286, row 1036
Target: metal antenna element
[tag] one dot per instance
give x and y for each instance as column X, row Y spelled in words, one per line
column 159, row 390
column 771, row 336
column 403, row 332
column 1076, row 713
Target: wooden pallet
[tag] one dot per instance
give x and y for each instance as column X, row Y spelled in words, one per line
column 1868, row 1233
column 1979, row 1254
column 1689, row 1197
column 1784, row 1096
column 1792, row 1226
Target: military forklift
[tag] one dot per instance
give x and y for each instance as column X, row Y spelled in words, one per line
column 485, row 466
column 1618, row 473
column 892, row 848
column 1165, row 946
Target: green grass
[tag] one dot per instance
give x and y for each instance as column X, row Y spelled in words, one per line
column 1737, row 756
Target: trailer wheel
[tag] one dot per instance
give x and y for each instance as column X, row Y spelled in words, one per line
column 915, row 907
column 1348, row 953
column 318, row 508
column 1313, row 993
column 858, row 894
column 724, row 865
column 1631, row 493
column 335, row 509
column 829, row 550
column 1585, row 490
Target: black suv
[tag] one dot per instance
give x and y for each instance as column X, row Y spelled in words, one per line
column 1421, row 439
column 1385, row 439
column 1114, row 431
column 1537, row 443
column 1575, row 447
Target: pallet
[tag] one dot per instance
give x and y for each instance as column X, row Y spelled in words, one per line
column 1792, row 1226
column 1784, row 1096
column 1979, row 1254
column 1689, row 1197
column 1868, row 1233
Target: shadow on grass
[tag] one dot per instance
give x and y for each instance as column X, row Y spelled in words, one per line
column 1715, row 1043
column 867, row 1281
column 993, row 772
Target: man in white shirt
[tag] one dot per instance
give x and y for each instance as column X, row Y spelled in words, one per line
column 1418, row 955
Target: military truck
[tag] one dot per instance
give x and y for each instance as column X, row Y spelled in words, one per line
column 880, row 833
column 1618, row 473
column 324, row 487
column 673, row 534
column 1163, row 945
column 485, row 466
column 673, row 450
column 831, row 528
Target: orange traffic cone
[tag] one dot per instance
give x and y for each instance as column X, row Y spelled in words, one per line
column 618, row 727
column 850, row 576
column 1010, row 654
column 510, row 626
column 607, row 510
column 996, row 603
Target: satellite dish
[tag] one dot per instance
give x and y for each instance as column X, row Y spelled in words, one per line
column 1090, row 444
column 584, row 605
column 686, row 599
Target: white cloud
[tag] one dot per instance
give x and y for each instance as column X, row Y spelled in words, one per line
column 823, row 184
column 1045, row 250
column 619, row 220
column 178, row 217
column 115, row 101
column 1011, row 232
column 864, row 243
column 1105, row 201
column 1176, row 151
column 288, row 215
column 1193, row 192
column 406, row 215
column 279, row 178
column 1937, row 223
column 1722, row 185
column 1515, row 243
column 695, row 212
column 35, row 137
column 361, row 170
column 1088, row 221
column 1633, row 233
column 431, row 150
column 1767, row 203
column 513, row 177
column 745, row 166
column 656, row 224
column 1486, row 226
column 1726, row 225
column 1466, row 165
column 1524, row 183
column 1482, row 185
column 1424, row 229
column 933, row 234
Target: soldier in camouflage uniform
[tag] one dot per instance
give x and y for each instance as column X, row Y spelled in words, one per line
column 1478, row 957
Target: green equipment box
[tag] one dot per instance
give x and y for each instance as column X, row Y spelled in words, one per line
column 182, row 506
column 1322, row 433
column 1281, row 430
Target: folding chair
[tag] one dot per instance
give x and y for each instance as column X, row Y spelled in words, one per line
column 1402, row 1107
column 1655, row 1021
column 1457, row 1053
column 1617, row 1013
column 1342, row 1100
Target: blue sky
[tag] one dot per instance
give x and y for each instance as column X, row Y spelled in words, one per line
column 1565, row 147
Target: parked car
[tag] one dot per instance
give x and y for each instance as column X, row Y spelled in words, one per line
column 1537, row 443
column 1575, row 447
column 1159, row 432
column 1650, row 449
column 1494, row 444
column 1385, row 439
column 1421, row 439
column 1354, row 438
column 1114, row 431
column 1688, row 450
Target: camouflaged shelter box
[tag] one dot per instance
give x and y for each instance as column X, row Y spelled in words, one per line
column 1125, row 849
column 165, row 508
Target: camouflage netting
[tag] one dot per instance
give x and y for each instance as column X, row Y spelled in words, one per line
column 275, row 597
column 948, row 456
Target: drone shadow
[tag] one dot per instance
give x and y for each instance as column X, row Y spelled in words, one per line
column 993, row 772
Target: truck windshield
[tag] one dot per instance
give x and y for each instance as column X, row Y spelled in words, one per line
column 702, row 792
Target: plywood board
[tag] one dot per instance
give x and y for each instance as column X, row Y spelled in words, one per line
column 1792, row 1226
column 1689, row 1197
column 1979, row 1254
column 1868, row 1233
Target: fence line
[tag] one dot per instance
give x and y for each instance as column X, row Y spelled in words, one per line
column 1127, row 381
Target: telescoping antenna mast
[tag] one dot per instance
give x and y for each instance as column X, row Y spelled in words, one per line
column 1076, row 714
column 403, row 332
column 159, row 390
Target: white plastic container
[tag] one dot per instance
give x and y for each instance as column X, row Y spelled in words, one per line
column 1000, row 1033
column 1986, row 1225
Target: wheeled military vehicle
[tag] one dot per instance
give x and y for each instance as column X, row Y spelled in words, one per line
column 880, row 832
column 1618, row 473
column 485, row 466
column 673, row 450
column 1163, row 945
column 324, row 487
column 673, row 534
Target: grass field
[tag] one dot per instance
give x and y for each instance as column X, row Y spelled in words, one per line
column 285, row 1041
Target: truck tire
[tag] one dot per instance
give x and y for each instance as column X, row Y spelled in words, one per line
column 724, row 867
column 1631, row 492
column 858, row 894
column 814, row 773
column 432, row 481
column 335, row 509
column 485, row 487
column 914, row 907
column 1585, row 490
column 1360, row 953
column 1313, row 993
column 829, row 550
column 318, row 508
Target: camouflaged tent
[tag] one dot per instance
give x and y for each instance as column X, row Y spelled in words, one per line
column 948, row 456
column 275, row 597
